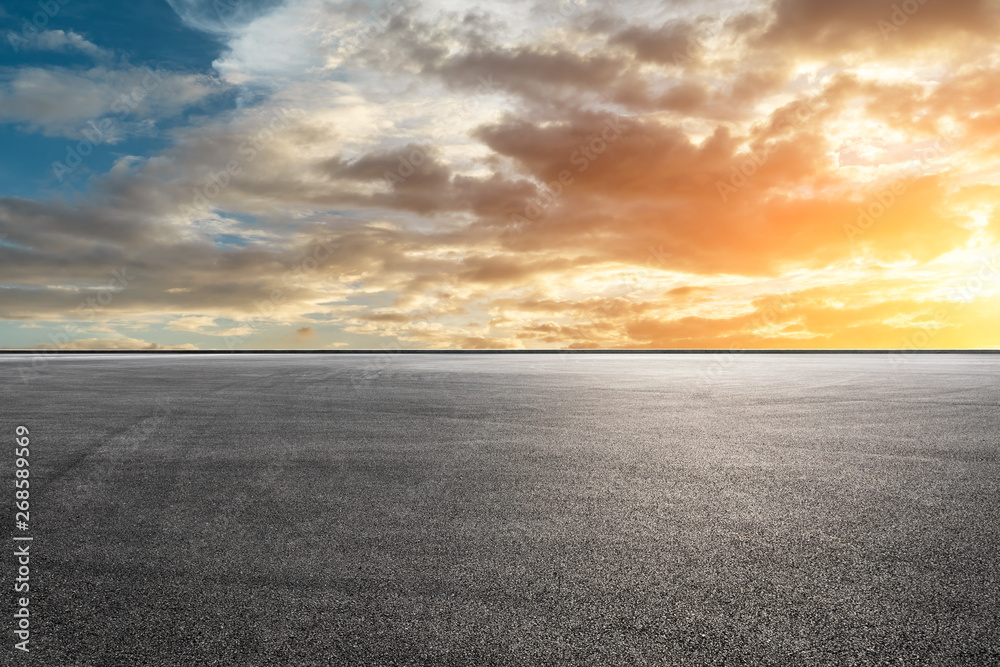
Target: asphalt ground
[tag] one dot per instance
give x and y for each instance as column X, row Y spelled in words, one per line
column 508, row 510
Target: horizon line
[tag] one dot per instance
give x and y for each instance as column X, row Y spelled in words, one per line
column 44, row 351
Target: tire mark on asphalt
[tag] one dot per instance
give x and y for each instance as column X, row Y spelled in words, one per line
column 78, row 459
column 109, row 445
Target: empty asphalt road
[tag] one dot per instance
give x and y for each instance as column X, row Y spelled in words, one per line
column 509, row 510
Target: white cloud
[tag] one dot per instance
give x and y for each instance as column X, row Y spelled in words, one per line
column 220, row 16
column 285, row 43
column 59, row 40
column 195, row 323
column 60, row 101
column 118, row 344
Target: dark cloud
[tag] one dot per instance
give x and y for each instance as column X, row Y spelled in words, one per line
column 833, row 27
column 602, row 146
column 673, row 43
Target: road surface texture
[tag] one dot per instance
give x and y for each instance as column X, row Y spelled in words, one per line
column 509, row 510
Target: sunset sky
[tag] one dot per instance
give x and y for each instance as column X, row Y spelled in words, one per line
column 246, row 174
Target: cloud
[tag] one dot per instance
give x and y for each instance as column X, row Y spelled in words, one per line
column 116, row 344
column 195, row 323
column 61, row 101
column 221, row 16
column 673, row 43
column 562, row 184
column 270, row 41
column 815, row 26
column 60, row 40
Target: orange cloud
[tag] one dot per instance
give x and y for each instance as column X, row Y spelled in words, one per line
column 784, row 174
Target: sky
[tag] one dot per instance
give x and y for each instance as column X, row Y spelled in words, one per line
column 305, row 174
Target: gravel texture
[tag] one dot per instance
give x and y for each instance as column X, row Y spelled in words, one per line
column 510, row 510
